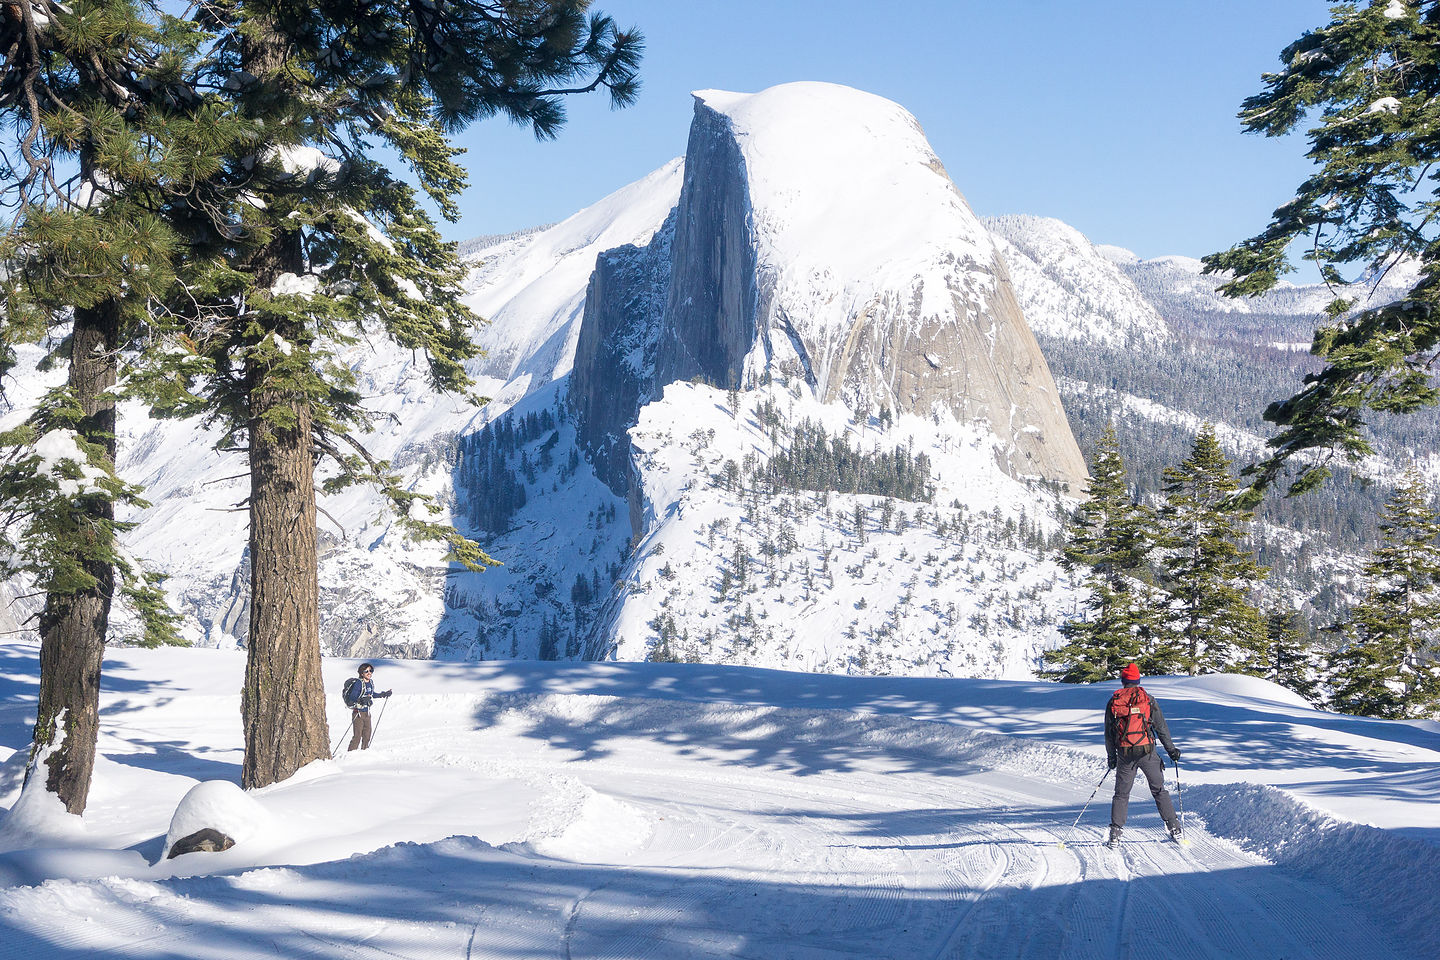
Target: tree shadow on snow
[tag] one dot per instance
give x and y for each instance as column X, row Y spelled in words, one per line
column 759, row 737
column 181, row 758
column 1265, row 735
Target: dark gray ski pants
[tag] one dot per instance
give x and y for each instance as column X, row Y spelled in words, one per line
column 1154, row 771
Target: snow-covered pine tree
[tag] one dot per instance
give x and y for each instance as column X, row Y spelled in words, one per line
column 1110, row 540
column 316, row 243
column 1391, row 666
column 1369, row 79
column 100, row 129
column 1207, row 568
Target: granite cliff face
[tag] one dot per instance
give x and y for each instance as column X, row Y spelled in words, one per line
column 615, row 354
column 817, row 237
column 710, row 319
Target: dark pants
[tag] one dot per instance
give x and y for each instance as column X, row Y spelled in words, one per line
column 360, row 723
column 1149, row 763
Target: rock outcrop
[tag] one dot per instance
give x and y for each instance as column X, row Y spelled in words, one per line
column 709, row 323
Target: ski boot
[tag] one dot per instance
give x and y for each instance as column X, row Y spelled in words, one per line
column 1175, row 833
column 1114, row 840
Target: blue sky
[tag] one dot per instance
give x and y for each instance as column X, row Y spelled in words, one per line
column 1115, row 116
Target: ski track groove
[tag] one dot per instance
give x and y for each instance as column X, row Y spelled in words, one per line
column 949, row 945
column 1071, row 921
column 1278, row 921
column 1120, row 930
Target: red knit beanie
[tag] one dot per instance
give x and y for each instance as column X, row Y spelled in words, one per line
column 1130, row 673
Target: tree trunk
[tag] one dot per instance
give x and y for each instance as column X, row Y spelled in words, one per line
column 72, row 626
column 282, row 705
column 283, row 702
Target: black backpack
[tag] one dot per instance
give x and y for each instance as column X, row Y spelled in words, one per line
column 348, row 693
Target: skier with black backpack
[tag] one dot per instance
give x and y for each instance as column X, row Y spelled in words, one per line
column 1133, row 721
column 359, row 693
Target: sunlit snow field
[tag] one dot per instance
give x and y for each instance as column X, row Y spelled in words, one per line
column 523, row 809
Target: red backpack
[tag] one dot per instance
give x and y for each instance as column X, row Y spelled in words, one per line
column 1130, row 713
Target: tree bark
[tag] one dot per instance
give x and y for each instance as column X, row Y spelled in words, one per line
column 282, row 705
column 73, row 626
column 283, row 702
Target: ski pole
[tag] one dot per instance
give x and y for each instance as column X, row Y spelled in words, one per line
column 335, row 750
column 1179, row 798
column 1087, row 803
column 376, row 728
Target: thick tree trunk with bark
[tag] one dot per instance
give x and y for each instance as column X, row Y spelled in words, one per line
column 72, row 626
column 283, row 703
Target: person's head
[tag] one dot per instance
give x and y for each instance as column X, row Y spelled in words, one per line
column 1130, row 675
column 367, row 670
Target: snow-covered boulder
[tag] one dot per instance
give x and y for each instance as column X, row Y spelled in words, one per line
column 216, row 807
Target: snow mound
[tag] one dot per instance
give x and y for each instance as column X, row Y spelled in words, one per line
column 38, row 818
column 603, row 830
column 1238, row 685
column 221, row 805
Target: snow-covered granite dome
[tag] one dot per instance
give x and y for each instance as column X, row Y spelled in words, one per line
column 818, row 236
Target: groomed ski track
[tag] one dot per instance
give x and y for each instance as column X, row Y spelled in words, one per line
column 636, row 827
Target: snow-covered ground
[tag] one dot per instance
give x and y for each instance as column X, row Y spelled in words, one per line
column 626, row 810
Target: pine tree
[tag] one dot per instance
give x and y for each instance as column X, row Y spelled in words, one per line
column 89, row 91
column 1109, row 539
column 306, row 241
column 1206, row 568
column 1391, row 666
column 1367, row 81
column 549, row 639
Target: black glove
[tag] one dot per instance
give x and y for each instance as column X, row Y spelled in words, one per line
column 1175, row 755
column 385, row 694
column 1112, row 764
column 365, row 701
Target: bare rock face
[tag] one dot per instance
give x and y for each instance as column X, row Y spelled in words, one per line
column 615, row 354
column 818, row 237
column 709, row 324
column 990, row 372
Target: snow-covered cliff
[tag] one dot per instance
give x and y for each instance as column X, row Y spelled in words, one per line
column 818, row 237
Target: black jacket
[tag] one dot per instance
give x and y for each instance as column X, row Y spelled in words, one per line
column 1158, row 728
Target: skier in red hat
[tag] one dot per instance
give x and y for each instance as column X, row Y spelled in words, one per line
column 1133, row 721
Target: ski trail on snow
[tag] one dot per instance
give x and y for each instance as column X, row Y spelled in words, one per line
column 696, row 832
